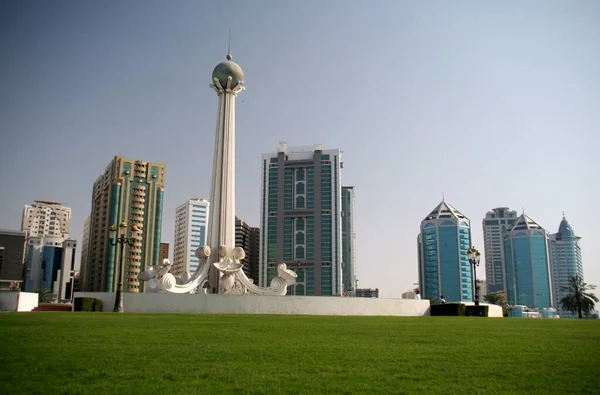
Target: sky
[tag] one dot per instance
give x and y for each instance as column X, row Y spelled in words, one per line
column 487, row 103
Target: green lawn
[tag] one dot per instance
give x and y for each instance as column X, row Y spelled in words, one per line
column 98, row 353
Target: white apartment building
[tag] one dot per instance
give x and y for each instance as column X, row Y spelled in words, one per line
column 191, row 223
column 495, row 223
column 46, row 218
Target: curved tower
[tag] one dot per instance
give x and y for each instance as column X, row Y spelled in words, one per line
column 227, row 81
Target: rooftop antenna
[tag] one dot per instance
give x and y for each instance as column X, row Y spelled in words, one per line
column 229, row 49
column 443, row 197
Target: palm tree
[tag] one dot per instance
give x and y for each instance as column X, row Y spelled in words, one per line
column 578, row 300
column 45, row 295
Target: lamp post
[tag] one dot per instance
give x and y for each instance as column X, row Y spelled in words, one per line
column 122, row 240
column 474, row 258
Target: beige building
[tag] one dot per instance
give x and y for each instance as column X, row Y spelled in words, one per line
column 164, row 252
column 131, row 192
column 46, row 218
column 248, row 238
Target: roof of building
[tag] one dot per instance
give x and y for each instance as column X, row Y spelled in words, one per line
column 444, row 210
column 12, row 232
column 565, row 228
column 525, row 222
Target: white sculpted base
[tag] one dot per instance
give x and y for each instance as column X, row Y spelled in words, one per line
column 233, row 280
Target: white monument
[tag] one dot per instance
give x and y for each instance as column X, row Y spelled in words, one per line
column 220, row 259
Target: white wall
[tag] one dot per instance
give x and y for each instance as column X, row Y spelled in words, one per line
column 256, row 304
column 18, row 301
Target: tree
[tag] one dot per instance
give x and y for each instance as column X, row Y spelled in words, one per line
column 578, row 300
column 45, row 295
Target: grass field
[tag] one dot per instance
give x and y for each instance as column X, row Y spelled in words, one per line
column 95, row 353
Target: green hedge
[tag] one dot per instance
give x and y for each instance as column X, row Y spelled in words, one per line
column 448, row 309
column 477, row 311
column 87, row 304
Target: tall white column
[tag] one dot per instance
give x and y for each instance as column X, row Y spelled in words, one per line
column 221, row 221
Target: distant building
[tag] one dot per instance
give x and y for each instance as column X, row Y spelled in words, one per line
column 164, row 252
column 131, row 192
column 248, row 238
column 566, row 261
column 367, row 292
column 50, row 265
column 348, row 240
column 444, row 267
column 191, row 222
column 46, row 218
column 495, row 223
column 12, row 252
column 301, row 218
column 528, row 274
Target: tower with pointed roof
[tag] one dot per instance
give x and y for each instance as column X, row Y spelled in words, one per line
column 444, row 267
column 527, row 260
column 565, row 251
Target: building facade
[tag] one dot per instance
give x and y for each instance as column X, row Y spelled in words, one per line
column 495, row 223
column 444, row 267
column 348, row 240
column 164, row 252
column 191, row 221
column 566, row 261
column 528, row 273
column 12, row 253
column 50, row 265
column 367, row 292
column 85, row 240
column 301, row 218
column 46, row 218
column 248, row 238
column 129, row 191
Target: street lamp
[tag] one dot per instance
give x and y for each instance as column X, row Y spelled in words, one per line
column 474, row 258
column 122, row 240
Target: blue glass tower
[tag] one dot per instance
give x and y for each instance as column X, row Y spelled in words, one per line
column 444, row 267
column 528, row 280
column 566, row 260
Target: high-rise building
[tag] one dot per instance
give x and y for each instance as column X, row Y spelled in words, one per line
column 566, row 261
column 50, row 265
column 301, row 218
column 191, row 221
column 494, row 224
column 46, row 218
column 444, row 267
column 12, row 252
column 131, row 192
column 348, row 239
column 248, row 238
column 164, row 252
column 85, row 240
column 528, row 275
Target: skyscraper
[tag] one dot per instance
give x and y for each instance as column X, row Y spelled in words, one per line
column 348, row 237
column 12, row 252
column 566, row 260
column 528, row 280
column 191, row 221
column 129, row 191
column 444, row 267
column 494, row 224
column 46, row 218
column 301, row 218
column 248, row 238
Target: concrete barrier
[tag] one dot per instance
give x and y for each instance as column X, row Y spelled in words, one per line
column 257, row 304
column 18, row 301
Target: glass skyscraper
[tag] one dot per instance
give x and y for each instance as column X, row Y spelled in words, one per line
column 528, row 276
column 566, row 260
column 495, row 223
column 444, row 267
column 301, row 218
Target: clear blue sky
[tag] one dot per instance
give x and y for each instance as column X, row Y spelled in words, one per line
column 492, row 103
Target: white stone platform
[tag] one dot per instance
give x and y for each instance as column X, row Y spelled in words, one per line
column 258, row 304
